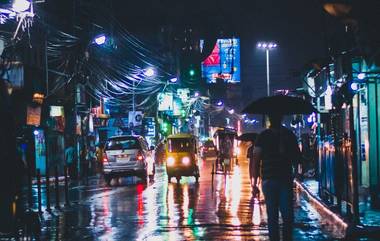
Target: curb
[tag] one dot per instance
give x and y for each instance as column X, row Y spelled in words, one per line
column 341, row 226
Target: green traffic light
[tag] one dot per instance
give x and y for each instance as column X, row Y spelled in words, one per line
column 191, row 72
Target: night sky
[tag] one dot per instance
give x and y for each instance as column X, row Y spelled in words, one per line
column 297, row 26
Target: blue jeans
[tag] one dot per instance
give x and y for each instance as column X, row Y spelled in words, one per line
column 279, row 197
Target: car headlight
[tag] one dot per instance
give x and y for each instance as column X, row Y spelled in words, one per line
column 186, row 160
column 170, row 161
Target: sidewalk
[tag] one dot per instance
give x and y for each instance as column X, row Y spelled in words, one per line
column 369, row 218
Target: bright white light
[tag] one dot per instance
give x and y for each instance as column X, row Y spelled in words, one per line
column 264, row 45
column 35, row 132
column 259, row 45
column 361, row 76
column 170, row 161
column 220, row 103
column 101, row 39
column 196, row 94
column 173, row 80
column 270, row 45
column 186, row 160
column 149, row 72
column 274, row 45
column 20, row 5
column 231, row 111
column 354, row 86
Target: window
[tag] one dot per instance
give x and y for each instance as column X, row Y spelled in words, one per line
column 123, row 143
column 180, row 145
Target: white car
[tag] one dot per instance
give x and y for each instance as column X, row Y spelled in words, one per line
column 127, row 156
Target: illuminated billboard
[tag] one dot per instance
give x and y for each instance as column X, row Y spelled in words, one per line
column 165, row 101
column 223, row 62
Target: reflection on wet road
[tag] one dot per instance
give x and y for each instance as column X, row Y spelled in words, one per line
column 218, row 208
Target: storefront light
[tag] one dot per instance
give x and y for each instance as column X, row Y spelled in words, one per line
column 354, row 86
column 361, row 76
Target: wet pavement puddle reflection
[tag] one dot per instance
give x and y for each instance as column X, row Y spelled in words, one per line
column 219, row 207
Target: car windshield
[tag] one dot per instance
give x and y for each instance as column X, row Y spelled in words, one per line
column 122, row 143
column 180, row 145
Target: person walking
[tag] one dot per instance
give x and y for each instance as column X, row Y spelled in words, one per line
column 277, row 150
column 69, row 158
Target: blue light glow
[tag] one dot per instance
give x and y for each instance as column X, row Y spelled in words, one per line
column 149, row 72
column 101, row 39
column 173, row 80
column 36, row 132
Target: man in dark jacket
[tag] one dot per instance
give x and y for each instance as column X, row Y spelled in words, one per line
column 277, row 149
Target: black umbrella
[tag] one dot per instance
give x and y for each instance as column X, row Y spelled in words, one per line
column 281, row 104
column 247, row 137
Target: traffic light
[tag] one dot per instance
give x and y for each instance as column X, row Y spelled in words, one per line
column 183, row 113
column 166, row 126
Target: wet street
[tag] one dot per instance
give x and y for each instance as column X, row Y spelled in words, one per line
column 218, row 208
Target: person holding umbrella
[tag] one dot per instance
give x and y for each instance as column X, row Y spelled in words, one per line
column 276, row 149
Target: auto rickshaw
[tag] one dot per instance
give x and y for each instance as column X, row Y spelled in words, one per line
column 226, row 143
column 182, row 156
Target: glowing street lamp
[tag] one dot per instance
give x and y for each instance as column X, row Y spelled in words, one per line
column 149, row 72
column 20, row 5
column 267, row 47
column 100, row 40
column 173, row 80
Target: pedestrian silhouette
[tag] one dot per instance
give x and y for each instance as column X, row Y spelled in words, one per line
column 277, row 150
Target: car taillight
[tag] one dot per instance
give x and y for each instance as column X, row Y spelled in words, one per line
column 105, row 158
column 139, row 156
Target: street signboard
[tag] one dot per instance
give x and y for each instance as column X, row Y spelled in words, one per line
column 165, row 101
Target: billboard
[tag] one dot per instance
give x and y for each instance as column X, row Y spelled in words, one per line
column 165, row 101
column 223, row 62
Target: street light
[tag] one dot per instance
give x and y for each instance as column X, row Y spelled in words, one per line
column 173, row 80
column 20, row 5
column 100, row 40
column 149, row 72
column 267, row 47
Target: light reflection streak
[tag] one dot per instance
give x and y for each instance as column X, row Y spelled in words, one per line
column 106, row 220
column 256, row 212
column 150, row 215
column 173, row 233
column 185, row 204
column 140, row 205
column 170, row 204
column 235, row 195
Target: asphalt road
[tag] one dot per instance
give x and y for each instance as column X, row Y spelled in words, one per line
column 219, row 207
